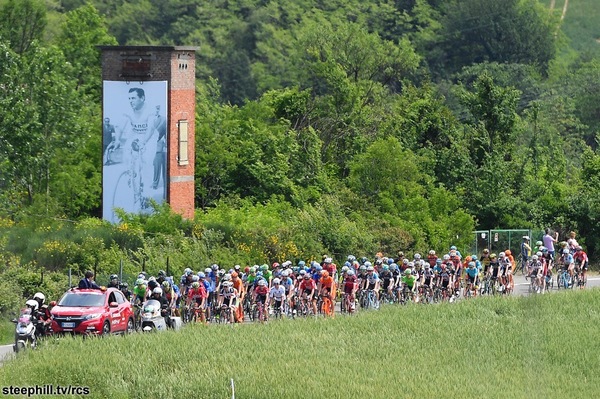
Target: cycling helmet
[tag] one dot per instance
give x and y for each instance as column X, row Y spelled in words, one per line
column 264, row 267
column 390, row 261
column 411, row 265
column 207, row 270
column 565, row 251
column 195, row 278
column 187, row 271
column 345, row 269
column 405, row 261
column 259, row 274
column 386, row 267
column 370, row 268
column 453, row 248
column 262, row 282
column 195, row 284
column 31, row 303
column 474, row 257
column 393, row 266
column 438, row 261
column 302, row 272
column 351, row 258
column 543, row 249
column 253, row 269
column 40, row 298
column 221, row 273
column 139, row 281
column 276, row 281
column 407, row 272
column 378, row 261
column 152, row 278
column 324, row 273
column 157, row 290
column 471, row 264
column 285, row 273
column 307, row 276
column 534, row 257
column 446, row 257
column 493, row 256
column 113, row 277
column 578, row 249
column 539, row 243
column 201, row 275
column 275, row 265
column 432, row 252
column 347, row 264
column 227, row 277
column 162, row 273
column 247, row 269
column 350, row 272
column 214, row 267
column 234, row 275
column 328, row 260
column 318, row 268
column 368, row 264
column 301, row 263
column 539, row 254
column 237, row 267
column 363, row 267
column 125, row 285
column 166, row 285
column 501, row 254
column 227, row 284
column 417, row 256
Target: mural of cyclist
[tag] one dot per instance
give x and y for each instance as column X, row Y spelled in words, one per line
column 141, row 139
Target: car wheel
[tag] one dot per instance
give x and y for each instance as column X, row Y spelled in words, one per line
column 106, row 328
column 130, row 326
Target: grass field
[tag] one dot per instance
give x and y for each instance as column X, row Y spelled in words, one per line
column 538, row 347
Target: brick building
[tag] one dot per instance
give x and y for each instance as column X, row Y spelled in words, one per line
column 176, row 66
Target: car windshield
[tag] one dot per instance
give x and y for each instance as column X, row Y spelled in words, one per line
column 81, row 299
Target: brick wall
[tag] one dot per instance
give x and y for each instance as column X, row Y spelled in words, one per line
column 177, row 66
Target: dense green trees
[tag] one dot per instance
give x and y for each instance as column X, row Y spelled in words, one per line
column 321, row 128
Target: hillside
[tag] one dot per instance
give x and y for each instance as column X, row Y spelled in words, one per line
column 580, row 23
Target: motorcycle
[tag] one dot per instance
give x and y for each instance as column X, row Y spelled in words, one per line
column 153, row 316
column 25, row 335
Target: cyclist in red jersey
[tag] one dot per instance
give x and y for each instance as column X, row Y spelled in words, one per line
column 307, row 291
column 197, row 294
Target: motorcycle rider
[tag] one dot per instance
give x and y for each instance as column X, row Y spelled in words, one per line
column 113, row 281
column 157, row 294
column 42, row 315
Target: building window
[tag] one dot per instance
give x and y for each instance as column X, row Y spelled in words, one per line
column 183, row 142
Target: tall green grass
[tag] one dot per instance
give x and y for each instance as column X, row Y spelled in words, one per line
column 537, row 347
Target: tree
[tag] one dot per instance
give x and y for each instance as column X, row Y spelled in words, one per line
column 475, row 31
column 22, row 22
column 82, row 31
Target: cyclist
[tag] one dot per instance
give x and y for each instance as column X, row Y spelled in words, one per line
column 537, row 268
column 198, row 296
column 350, row 286
column 307, row 290
column 409, row 281
column 330, row 267
column 260, row 294
column 140, row 292
column 581, row 260
column 126, row 291
column 568, row 261
column 171, row 293
column 277, row 296
column 327, row 287
column 486, row 260
column 443, row 279
column 372, row 281
column 432, row 258
column 228, row 296
column 387, row 278
column 472, row 274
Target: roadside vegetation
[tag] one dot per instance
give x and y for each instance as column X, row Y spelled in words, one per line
column 540, row 346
